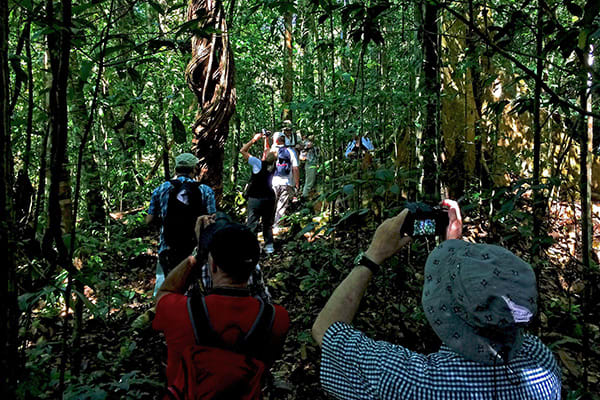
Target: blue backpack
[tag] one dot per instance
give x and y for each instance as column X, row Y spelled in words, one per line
column 284, row 162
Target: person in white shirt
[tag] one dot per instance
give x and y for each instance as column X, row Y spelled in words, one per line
column 286, row 180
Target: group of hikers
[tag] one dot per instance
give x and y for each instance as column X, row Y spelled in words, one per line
column 223, row 331
column 275, row 179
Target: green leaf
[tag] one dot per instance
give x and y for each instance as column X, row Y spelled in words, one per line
column 179, row 133
column 26, row 299
column 384, row 174
column 80, row 8
column 348, row 189
column 157, row 7
column 90, row 306
column 85, row 70
column 306, row 229
column 115, row 49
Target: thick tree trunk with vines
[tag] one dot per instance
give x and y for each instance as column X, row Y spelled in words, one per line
column 210, row 76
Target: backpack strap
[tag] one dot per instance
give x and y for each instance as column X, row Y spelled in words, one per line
column 260, row 332
column 251, row 343
column 176, row 183
column 204, row 333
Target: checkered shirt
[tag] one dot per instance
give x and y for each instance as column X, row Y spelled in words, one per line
column 354, row 366
column 160, row 199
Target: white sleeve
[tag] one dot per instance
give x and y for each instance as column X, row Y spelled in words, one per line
column 293, row 157
column 255, row 163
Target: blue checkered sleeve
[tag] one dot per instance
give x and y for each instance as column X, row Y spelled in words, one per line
column 208, row 199
column 354, row 366
column 154, row 208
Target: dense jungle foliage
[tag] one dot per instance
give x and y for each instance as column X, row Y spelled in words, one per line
column 493, row 102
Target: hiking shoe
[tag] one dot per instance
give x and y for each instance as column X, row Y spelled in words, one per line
column 269, row 248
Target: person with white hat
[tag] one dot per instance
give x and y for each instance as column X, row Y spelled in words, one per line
column 476, row 297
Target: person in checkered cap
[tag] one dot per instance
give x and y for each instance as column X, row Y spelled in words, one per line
column 476, row 297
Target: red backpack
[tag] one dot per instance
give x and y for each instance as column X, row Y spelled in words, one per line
column 211, row 369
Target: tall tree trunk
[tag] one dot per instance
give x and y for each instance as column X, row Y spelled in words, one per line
column 308, row 70
column 586, row 152
column 288, row 66
column 59, row 198
column 432, row 87
column 59, row 210
column 86, row 160
column 8, row 291
column 538, row 198
column 210, row 75
column 334, row 147
column 472, row 50
column 30, row 103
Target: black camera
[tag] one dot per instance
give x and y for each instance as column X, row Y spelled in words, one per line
column 206, row 235
column 266, row 133
column 425, row 220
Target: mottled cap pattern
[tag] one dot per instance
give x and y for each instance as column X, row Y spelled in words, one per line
column 186, row 160
column 478, row 298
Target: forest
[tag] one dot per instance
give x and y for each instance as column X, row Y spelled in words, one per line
column 494, row 103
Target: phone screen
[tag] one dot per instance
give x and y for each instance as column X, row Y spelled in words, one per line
column 424, row 227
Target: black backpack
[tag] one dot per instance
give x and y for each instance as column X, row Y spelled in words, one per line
column 180, row 221
column 284, row 162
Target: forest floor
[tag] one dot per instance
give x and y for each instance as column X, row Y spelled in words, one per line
column 302, row 274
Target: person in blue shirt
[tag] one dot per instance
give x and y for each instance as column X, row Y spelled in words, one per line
column 185, row 167
column 476, row 297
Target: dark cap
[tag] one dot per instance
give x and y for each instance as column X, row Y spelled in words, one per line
column 235, row 249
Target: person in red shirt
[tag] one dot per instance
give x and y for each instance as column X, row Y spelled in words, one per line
column 233, row 252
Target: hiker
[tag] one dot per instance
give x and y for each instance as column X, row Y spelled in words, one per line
column 226, row 333
column 292, row 140
column 362, row 152
column 476, row 297
column 260, row 193
column 177, row 204
column 286, row 179
column 352, row 149
column 204, row 231
column 310, row 154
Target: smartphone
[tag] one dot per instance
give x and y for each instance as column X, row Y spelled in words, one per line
column 423, row 220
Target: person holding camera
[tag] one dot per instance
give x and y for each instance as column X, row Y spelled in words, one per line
column 226, row 338
column 260, row 193
column 476, row 297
